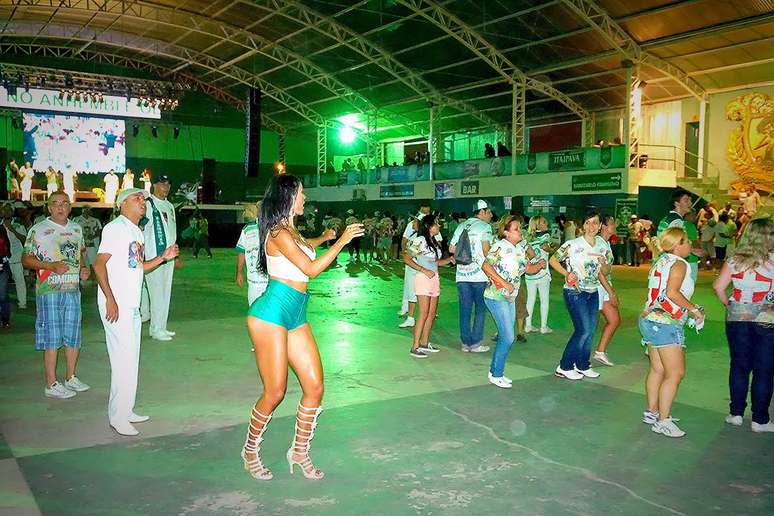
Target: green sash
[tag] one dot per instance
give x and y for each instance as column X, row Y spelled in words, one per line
column 158, row 228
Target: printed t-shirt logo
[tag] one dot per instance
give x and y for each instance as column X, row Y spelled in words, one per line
column 136, row 254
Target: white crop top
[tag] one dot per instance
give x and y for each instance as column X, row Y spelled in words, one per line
column 281, row 267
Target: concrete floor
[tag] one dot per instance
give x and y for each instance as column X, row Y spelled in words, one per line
column 398, row 436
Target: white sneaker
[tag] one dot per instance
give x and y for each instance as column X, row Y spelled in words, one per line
column 125, row 428
column 601, row 357
column 408, row 323
column 160, row 336
column 546, row 330
column 74, row 384
column 136, row 418
column 402, row 313
column 429, row 348
column 667, row 427
column 759, row 428
column 144, row 319
column 734, row 420
column 650, row 418
column 478, row 348
column 588, row 373
column 529, row 329
column 500, row 382
column 170, row 333
column 59, row 391
column 507, row 380
column 570, row 374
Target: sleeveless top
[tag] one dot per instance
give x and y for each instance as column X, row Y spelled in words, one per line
column 752, row 298
column 658, row 307
column 281, row 267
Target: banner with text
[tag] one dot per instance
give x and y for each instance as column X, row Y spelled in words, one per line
column 624, row 209
column 567, row 160
column 50, row 100
column 388, row 191
column 469, row 188
column 594, row 182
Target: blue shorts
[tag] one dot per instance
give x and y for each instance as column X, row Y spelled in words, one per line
column 282, row 305
column 59, row 320
column 661, row 335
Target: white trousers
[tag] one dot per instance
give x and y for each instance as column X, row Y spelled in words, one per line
column 17, row 273
column 409, row 291
column 51, row 188
column 156, row 294
column 110, row 196
column 123, row 346
column 540, row 287
column 254, row 291
column 26, row 190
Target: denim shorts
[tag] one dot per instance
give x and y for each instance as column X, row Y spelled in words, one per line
column 59, row 320
column 661, row 335
column 282, row 305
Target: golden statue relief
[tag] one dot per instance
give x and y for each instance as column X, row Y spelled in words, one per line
column 751, row 145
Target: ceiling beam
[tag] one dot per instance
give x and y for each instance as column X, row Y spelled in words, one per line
column 593, row 15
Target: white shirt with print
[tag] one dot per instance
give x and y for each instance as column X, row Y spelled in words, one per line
column 478, row 233
column 584, row 260
column 124, row 242
column 250, row 244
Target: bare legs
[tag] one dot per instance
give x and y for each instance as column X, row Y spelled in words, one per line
column 50, row 359
column 275, row 350
column 667, row 369
column 428, row 306
column 613, row 318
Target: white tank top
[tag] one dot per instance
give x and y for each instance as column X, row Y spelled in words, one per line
column 657, row 286
column 281, row 267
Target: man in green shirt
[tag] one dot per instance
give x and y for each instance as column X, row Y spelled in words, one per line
column 681, row 206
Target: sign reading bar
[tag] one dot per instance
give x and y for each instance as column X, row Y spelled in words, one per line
column 593, row 182
column 469, row 188
column 49, row 100
column 387, row 191
column 567, row 160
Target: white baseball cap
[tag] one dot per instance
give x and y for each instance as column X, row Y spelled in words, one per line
column 481, row 205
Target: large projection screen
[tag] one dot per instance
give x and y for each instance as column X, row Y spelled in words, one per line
column 83, row 144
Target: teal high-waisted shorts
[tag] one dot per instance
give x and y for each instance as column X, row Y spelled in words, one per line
column 282, row 305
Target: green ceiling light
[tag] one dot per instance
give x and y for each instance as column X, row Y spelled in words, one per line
column 347, row 135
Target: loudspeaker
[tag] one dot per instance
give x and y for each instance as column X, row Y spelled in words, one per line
column 3, row 171
column 253, row 132
column 209, row 185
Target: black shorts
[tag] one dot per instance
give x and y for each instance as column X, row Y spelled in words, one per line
column 720, row 253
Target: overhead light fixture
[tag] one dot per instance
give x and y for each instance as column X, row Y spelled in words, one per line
column 347, row 135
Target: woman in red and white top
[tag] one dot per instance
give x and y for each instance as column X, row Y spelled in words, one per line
column 667, row 308
column 750, row 323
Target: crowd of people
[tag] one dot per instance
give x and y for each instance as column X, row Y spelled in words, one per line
column 277, row 255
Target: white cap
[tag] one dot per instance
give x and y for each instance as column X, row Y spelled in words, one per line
column 481, row 205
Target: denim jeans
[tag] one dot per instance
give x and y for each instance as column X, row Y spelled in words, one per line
column 504, row 314
column 584, row 311
column 471, row 294
column 751, row 346
column 633, row 252
column 5, row 303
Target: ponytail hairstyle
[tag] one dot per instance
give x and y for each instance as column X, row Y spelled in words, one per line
column 277, row 213
column 425, row 224
column 668, row 240
column 755, row 246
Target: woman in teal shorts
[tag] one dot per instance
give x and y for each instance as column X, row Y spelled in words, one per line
column 277, row 323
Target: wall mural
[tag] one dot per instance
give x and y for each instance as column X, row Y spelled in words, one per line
column 750, row 147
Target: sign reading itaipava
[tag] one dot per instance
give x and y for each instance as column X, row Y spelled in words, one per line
column 49, row 100
column 592, row 182
column 567, row 160
column 386, row 191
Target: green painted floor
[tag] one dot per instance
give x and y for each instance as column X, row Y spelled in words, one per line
column 398, row 436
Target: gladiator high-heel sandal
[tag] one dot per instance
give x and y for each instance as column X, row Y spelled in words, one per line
column 258, row 424
column 306, row 422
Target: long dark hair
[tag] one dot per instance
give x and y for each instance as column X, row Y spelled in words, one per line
column 277, row 211
column 425, row 224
